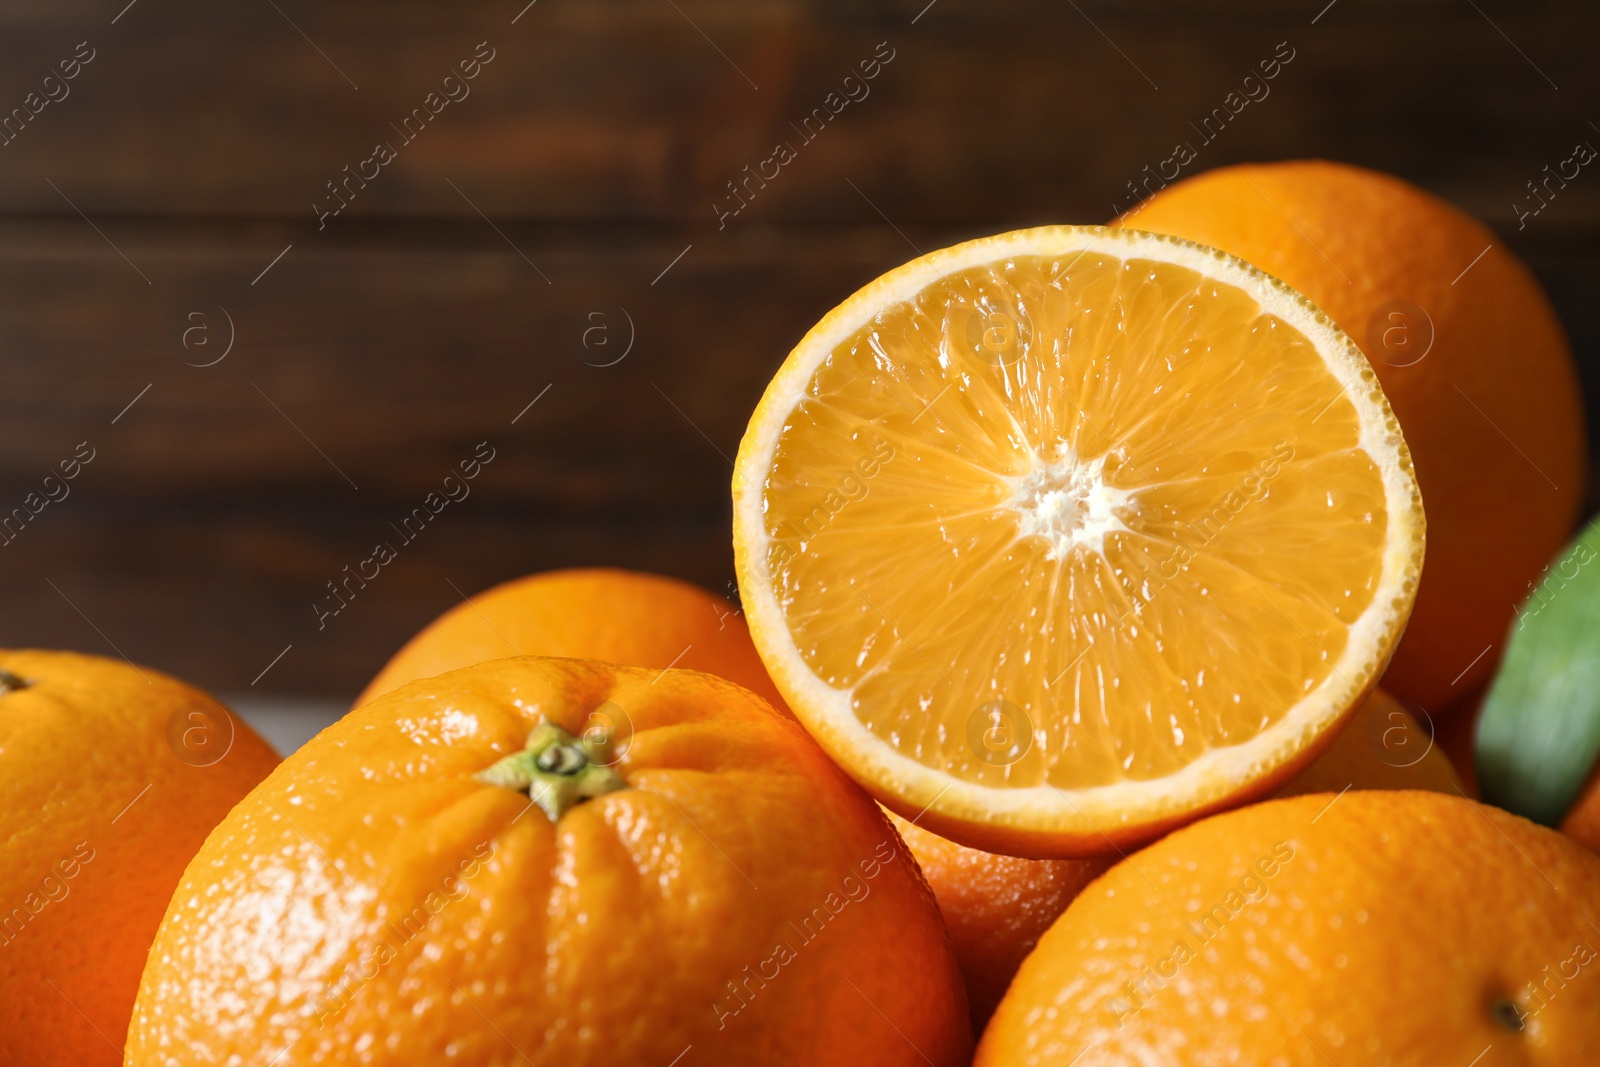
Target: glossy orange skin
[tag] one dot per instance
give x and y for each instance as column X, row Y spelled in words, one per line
column 1492, row 412
column 997, row 907
column 100, row 816
column 1382, row 746
column 373, row 903
column 1582, row 823
column 1381, row 927
column 627, row 617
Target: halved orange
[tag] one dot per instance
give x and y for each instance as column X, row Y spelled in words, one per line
column 1061, row 538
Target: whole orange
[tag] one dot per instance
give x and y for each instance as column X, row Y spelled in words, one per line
column 1383, row 746
column 627, row 617
column 997, row 907
column 1404, row 928
column 1471, row 356
column 112, row 775
column 470, row 870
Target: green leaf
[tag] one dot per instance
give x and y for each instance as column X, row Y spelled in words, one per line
column 1540, row 731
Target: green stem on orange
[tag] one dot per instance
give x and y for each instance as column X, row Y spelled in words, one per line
column 11, row 683
column 556, row 770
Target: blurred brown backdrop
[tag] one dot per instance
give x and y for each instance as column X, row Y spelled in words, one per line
column 559, row 210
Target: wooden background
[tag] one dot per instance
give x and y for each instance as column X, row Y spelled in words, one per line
column 459, row 285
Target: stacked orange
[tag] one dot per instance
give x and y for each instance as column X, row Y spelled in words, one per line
column 112, row 776
column 467, row 869
column 627, row 617
column 1378, row 927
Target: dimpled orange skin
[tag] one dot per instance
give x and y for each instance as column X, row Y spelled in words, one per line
column 619, row 616
column 997, row 907
column 610, row 937
column 99, row 817
column 1492, row 412
column 1379, row 928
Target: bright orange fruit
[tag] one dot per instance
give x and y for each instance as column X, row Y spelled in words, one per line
column 1471, row 356
column 469, row 870
column 1582, row 823
column 1058, row 539
column 626, row 617
column 112, row 775
column 997, row 907
column 1404, row 928
column 1383, row 746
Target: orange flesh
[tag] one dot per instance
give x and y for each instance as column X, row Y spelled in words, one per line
column 1041, row 526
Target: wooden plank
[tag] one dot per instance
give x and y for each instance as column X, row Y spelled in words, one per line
column 380, row 359
column 625, row 111
column 367, row 365
column 215, row 508
column 215, row 596
column 372, row 355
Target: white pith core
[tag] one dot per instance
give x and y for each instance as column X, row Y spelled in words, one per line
column 1067, row 502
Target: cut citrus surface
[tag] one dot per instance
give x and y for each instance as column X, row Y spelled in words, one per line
column 1061, row 538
